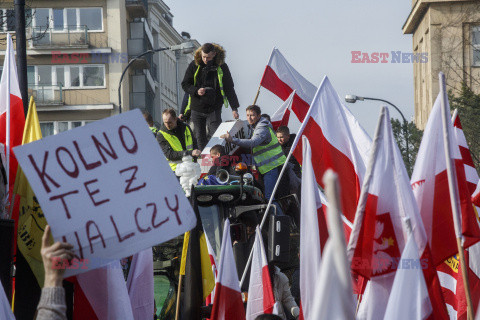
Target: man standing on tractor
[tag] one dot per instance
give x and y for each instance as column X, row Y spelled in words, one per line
column 209, row 84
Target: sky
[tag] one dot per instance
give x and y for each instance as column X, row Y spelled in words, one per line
column 317, row 37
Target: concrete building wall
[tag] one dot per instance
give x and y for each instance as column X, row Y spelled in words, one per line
column 442, row 29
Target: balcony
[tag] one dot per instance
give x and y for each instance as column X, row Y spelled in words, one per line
column 69, row 37
column 137, row 8
column 51, row 95
column 140, row 41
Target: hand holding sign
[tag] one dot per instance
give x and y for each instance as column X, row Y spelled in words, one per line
column 107, row 189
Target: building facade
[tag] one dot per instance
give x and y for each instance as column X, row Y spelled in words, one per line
column 77, row 51
column 449, row 32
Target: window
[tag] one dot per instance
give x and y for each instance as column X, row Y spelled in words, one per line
column 92, row 18
column 49, row 128
column 62, row 19
column 74, row 76
column 68, row 76
column 476, row 45
column 93, row 76
column 7, row 20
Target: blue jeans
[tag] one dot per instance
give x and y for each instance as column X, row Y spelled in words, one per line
column 269, row 180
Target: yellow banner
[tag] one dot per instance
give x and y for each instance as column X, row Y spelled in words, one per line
column 31, row 221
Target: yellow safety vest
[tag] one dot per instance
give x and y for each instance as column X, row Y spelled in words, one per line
column 177, row 145
column 220, row 83
column 269, row 156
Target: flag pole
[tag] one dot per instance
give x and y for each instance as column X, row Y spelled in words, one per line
column 294, row 144
column 256, row 96
column 7, row 140
column 454, row 197
column 179, row 292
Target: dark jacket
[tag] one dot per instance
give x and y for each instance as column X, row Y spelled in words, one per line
column 207, row 78
column 286, row 149
column 179, row 132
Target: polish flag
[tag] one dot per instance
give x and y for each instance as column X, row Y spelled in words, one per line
column 213, row 262
column 379, row 232
column 338, row 142
column 106, row 292
column 12, row 117
column 282, row 115
column 313, row 235
column 431, row 190
column 140, row 285
column 282, row 79
column 314, row 232
column 260, row 290
column 333, row 294
column 227, row 304
column 449, row 273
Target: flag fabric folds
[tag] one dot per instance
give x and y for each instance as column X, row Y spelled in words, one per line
column 430, row 186
column 379, row 232
column 31, row 221
column 260, row 290
column 409, row 295
column 448, row 272
column 228, row 304
column 282, row 79
column 12, row 117
column 338, row 142
column 106, row 291
column 140, row 285
column 313, row 233
column 333, row 294
column 282, row 115
column 5, row 311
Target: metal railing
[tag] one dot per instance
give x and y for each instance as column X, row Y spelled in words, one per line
column 69, row 36
column 137, row 2
column 46, row 94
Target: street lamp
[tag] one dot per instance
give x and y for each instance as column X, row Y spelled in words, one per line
column 350, row 98
column 186, row 47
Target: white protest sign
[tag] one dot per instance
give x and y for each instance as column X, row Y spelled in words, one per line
column 238, row 129
column 107, row 189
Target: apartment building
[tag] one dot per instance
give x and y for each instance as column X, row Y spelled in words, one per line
column 449, row 32
column 77, row 51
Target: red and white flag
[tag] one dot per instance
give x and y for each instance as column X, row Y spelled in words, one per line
column 282, row 115
column 140, row 284
column 448, row 272
column 282, row 79
column 476, row 196
column 333, row 294
column 338, row 142
column 260, row 290
column 227, row 304
column 106, row 291
column 12, row 117
column 313, row 235
column 431, row 190
column 213, row 262
column 379, row 231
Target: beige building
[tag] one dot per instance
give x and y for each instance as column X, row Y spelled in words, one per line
column 449, row 32
column 77, row 51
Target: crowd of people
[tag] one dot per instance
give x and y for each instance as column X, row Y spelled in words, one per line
column 208, row 85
